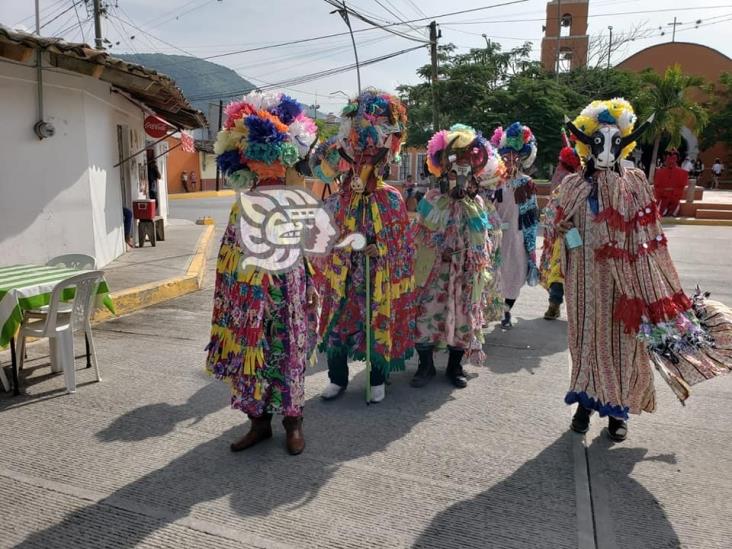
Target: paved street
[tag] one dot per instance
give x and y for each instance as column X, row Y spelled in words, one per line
column 142, row 458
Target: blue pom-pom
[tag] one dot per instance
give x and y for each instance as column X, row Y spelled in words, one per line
column 606, row 118
column 262, row 130
column 287, row 110
column 229, row 162
column 514, row 129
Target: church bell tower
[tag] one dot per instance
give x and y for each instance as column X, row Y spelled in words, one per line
column 565, row 42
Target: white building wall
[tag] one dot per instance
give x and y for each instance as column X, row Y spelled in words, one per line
column 62, row 194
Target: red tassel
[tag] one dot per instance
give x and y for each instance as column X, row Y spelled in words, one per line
column 629, row 311
column 611, row 251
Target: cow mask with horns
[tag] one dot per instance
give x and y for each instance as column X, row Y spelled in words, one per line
column 605, row 135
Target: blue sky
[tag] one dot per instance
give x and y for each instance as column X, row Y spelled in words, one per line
column 211, row 27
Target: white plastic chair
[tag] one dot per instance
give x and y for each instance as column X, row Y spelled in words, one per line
column 4, row 379
column 59, row 325
column 82, row 262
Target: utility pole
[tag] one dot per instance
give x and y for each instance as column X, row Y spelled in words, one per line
column 609, row 46
column 98, row 25
column 218, row 170
column 343, row 12
column 559, row 36
column 433, row 56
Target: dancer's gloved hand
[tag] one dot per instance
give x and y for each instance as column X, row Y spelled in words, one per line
column 372, row 250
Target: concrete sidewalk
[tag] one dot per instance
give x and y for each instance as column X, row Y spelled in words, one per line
column 148, row 275
column 142, row 459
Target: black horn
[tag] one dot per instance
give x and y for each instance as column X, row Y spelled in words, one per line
column 581, row 136
column 628, row 139
column 446, row 153
column 344, row 155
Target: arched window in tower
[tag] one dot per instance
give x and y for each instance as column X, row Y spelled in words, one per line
column 565, row 59
column 565, row 27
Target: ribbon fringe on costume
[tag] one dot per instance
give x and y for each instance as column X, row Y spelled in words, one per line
column 602, row 408
column 612, row 250
column 616, row 220
column 630, row 311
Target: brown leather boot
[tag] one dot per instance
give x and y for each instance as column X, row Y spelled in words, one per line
column 261, row 429
column 295, row 437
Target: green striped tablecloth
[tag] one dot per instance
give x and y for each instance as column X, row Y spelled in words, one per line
column 24, row 287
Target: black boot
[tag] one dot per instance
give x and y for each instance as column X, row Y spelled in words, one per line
column 506, row 322
column 617, row 429
column 426, row 369
column 581, row 420
column 455, row 372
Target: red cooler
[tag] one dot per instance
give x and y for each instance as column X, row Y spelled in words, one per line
column 143, row 209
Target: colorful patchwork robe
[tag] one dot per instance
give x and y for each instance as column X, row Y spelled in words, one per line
column 382, row 217
column 450, row 291
column 262, row 331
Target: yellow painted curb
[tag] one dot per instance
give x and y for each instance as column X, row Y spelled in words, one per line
column 200, row 194
column 139, row 297
column 695, row 221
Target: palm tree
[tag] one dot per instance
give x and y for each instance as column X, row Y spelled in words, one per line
column 668, row 96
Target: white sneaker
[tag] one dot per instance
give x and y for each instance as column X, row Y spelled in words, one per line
column 378, row 393
column 332, row 391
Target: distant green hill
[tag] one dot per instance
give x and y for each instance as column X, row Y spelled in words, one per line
column 196, row 77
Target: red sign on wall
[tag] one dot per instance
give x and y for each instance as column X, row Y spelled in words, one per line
column 155, row 127
column 186, row 142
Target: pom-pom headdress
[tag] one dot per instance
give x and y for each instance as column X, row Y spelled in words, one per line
column 374, row 120
column 462, row 142
column 569, row 157
column 518, row 139
column 614, row 112
column 264, row 134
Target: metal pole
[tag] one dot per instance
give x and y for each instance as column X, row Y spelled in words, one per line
column 344, row 14
column 673, row 35
column 610, row 47
column 433, row 74
column 559, row 36
column 218, row 170
column 98, row 25
column 39, row 65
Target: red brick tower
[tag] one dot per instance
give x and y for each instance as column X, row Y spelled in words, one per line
column 570, row 37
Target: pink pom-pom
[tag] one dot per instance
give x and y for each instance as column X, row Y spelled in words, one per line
column 497, row 136
column 437, row 143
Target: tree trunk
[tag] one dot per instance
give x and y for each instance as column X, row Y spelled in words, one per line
column 654, row 158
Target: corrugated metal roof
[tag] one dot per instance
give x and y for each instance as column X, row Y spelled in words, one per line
column 158, row 91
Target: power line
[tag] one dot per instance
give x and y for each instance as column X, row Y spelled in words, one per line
column 665, row 10
column 73, row 7
column 83, row 37
column 310, row 77
column 311, row 39
column 48, row 9
column 341, row 7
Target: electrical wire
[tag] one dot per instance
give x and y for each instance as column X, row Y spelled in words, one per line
column 313, row 76
column 73, row 7
column 311, row 39
column 83, row 37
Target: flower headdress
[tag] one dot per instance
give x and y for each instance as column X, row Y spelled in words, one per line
column 518, row 139
column 264, row 134
column 462, row 141
column 370, row 120
column 615, row 112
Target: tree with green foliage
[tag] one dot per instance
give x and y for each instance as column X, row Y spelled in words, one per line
column 487, row 87
column 719, row 128
column 669, row 97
